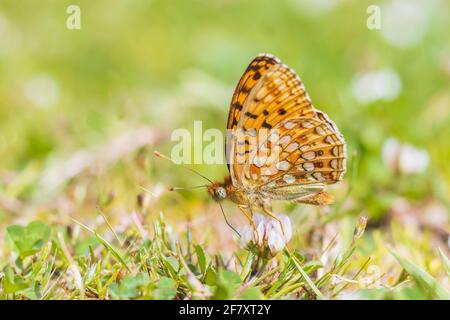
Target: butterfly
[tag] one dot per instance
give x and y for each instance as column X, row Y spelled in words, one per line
column 309, row 150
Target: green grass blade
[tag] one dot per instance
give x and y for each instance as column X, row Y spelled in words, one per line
column 423, row 278
column 306, row 277
column 445, row 262
column 106, row 244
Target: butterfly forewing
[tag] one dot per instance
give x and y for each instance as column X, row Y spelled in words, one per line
column 256, row 69
column 302, row 147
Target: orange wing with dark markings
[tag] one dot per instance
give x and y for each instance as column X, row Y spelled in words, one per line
column 270, row 96
column 255, row 70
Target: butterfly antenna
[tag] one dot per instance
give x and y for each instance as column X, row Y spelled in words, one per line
column 188, row 188
column 226, row 220
column 160, row 155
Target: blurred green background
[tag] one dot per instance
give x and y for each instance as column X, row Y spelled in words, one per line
column 82, row 110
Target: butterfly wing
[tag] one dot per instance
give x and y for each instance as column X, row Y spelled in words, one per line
column 255, row 70
column 308, row 148
column 312, row 155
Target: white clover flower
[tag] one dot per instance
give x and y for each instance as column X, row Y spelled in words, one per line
column 383, row 84
column 42, row 91
column 269, row 237
column 400, row 15
column 390, row 152
column 413, row 160
column 404, row 158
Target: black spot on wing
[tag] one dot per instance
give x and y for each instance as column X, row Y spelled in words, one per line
column 266, row 125
column 251, row 115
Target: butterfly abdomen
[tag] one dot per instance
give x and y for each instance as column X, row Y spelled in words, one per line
column 318, row 199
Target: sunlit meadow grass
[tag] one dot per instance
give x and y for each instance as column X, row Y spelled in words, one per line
column 147, row 258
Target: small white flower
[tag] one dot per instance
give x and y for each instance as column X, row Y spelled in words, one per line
column 275, row 242
column 399, row 16
column 413, row 160
column 390, row 152
column 42, row 91
column 287, row 227
column 269, row 235
column 383, row 84
column 404, row 158
column 246, row 236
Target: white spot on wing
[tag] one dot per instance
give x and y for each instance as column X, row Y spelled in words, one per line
column 292, row 147
column 283, row 165
column 335, row 151
column 285, row 139
column 273, row 137
column 318, row 176
column 288, row 178
column 329, row 140
column 305, row 147
column 308, row 166
column 310, row 155
column 320, row 131
column 269, row 171
column 289, row 125
column 333, row 163
column 260, row 161
column 307, row 124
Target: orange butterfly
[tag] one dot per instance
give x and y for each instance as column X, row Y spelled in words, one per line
column 311, row 150
column 300, row 153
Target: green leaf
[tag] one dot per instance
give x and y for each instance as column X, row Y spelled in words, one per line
column 33, row 292
column 227, row 284
column 166, row 289
column 423, row 278
column 13, row 283
column 251, row 294
column 171, row 264
column 246, row 269
column 211, row 277
column 82, row 247
column 28, row 240
column 202, row 257
column 128, row 287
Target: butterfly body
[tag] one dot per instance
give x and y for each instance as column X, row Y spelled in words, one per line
column 258, row 199
column 300, row 152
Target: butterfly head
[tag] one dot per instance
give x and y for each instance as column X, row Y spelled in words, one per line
column 218, row 191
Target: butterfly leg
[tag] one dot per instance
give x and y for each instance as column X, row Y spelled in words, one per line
column 249, row 216
column 272, row 215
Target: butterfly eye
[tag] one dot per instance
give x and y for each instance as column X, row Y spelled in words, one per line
column 221, row 193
